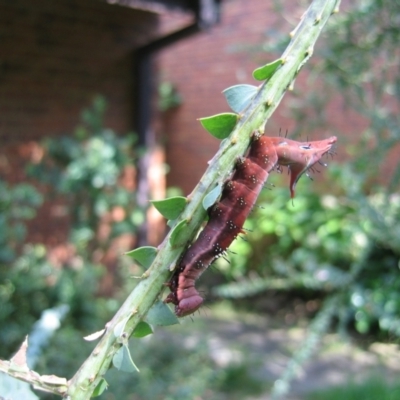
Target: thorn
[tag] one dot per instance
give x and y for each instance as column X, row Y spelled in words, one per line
column 265, row 186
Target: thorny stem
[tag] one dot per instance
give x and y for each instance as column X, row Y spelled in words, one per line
column 84, row 382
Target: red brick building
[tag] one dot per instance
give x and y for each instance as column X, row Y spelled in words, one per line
column 56, row 56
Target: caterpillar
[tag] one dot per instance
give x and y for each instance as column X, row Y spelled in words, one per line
column 227, row 216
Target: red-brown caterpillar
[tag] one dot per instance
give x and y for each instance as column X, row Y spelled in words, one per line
column 226, row 217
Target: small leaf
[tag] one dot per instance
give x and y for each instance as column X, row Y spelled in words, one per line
column 119, row 328
column 240, row 96
column 266, row 71
column 143, row 255
column 170, row 208
column 122, row 360
column 220, row 125
column 94, row 336
column 100, row 388
column 142, row 329
column 212, row 197
column 160, row 314
column 176, row 236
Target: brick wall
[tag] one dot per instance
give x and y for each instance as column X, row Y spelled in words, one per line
column 56, row 55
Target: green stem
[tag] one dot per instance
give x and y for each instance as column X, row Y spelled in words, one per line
column 255, row 116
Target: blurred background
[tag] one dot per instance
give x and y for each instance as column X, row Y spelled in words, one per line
column 99, row 103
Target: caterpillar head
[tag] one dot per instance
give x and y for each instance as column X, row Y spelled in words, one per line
column 300, row 156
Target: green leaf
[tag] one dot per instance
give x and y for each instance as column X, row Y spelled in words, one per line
column 119, row 328
column 143, row 255
column 160, row 314
column 240, row 96
column 212, row 197
column 170, row 208
column 176, row 236
column 142, row 329
column 100, row 388
column 266, row 71
column 220, row 125
column 122, row 360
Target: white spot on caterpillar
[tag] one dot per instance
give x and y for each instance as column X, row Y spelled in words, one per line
column 231, row 225
column 218, row 250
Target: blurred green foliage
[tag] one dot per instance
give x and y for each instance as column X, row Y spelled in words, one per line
column 371, row 389
column 18, row 312
column 18, row 204
column 86, row 168
column 326, row 244
column 29, row 284
column 168, row 96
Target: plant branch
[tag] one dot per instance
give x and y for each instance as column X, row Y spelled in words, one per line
column 17, row 368
column 47, row 383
